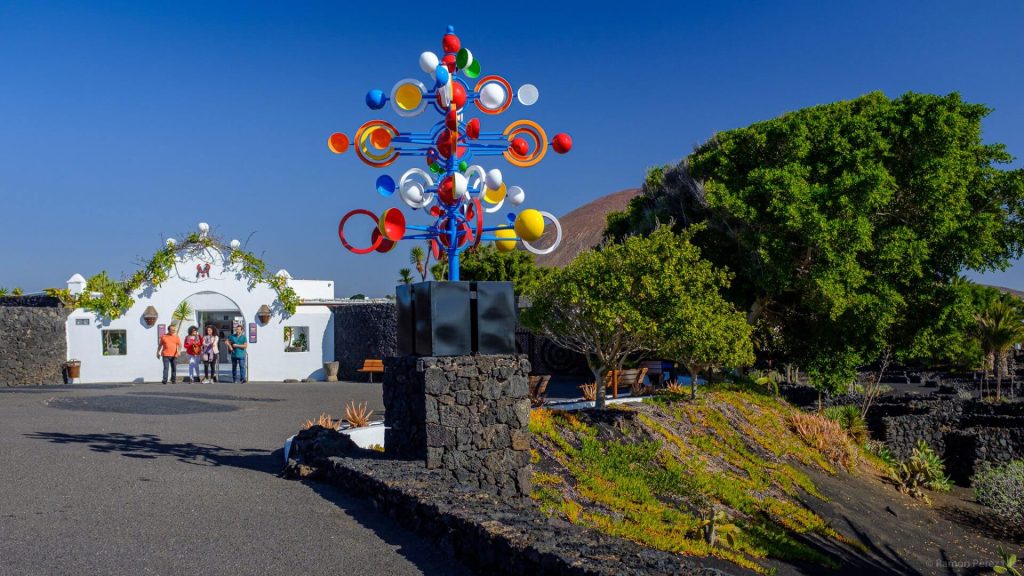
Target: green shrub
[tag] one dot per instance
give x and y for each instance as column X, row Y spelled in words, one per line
column 1001, row 488
column 850, row 418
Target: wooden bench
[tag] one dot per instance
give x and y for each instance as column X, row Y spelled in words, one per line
column 370, row 365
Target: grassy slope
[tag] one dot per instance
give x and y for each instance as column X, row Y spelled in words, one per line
column 654, row 473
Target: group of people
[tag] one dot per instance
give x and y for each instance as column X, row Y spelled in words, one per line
column 205, row 349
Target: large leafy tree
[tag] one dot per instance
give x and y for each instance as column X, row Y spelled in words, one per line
column 846, row 224
column 487, row 263
column 626, row 299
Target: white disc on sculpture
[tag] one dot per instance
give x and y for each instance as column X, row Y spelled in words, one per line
column 429, row 62
column 516, row 195
column 460, row 185
column 528, row 94
column 494, row 179
column 492, row 95
column 558, row 236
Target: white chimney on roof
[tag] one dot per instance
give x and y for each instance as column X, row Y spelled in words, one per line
column 76, row 284
column 283, row 274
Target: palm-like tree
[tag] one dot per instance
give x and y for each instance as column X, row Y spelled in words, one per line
column 181, row 313
column 999, row 327
column 405, row 276
column 418, row 258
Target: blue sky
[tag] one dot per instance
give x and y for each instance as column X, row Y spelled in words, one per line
column 122, row 123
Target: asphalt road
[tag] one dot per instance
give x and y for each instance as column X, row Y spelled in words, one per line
column 181, row 479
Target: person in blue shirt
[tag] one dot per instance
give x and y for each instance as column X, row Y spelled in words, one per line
column 237, row 343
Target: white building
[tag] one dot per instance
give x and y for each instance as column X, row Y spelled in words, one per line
column 283, row 347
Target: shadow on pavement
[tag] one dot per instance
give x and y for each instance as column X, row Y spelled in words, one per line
column 148, row 446
column 426, row 555
column 43, row 388
column 206, row 396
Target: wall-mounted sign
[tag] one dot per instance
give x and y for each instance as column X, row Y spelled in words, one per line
column 81, row 321
column 252, row 332
column 161, row 329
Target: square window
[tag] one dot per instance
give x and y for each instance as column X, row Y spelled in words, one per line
column 115, row 343
column 296, row 338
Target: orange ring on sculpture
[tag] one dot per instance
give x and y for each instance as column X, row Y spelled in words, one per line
column 341, row 232
column 377, row 160
column 508, row 93
column 534, row 131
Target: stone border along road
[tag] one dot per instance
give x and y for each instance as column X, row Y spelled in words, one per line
column 181, row 479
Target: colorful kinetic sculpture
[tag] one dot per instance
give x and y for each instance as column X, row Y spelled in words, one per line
column 454, row 190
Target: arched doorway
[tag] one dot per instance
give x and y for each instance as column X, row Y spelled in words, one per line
column 217, row 310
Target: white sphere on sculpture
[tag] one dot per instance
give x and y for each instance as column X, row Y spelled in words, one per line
column 204, row 229
column 171, row 241
column 494, row 179
column 235, row 244
column 428, row 62
column 492, row 96
column 516, row 195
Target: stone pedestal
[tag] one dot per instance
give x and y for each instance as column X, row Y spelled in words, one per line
column 467, row 415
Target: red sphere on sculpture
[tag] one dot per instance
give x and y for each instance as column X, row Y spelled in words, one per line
column 562, row 143
column 451, row 43
column 520, row 147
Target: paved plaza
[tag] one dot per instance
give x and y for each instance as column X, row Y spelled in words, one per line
column 181, row 479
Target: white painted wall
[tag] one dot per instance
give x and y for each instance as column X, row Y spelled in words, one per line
column 267, row 359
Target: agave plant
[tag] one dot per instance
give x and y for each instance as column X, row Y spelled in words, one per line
column 357, row 416
column 324, row 420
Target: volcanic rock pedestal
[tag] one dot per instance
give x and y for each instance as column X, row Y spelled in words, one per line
column 467, row 415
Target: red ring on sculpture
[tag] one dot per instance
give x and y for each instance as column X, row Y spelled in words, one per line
column 373, row 125
column 341, row 232
column 508, row 93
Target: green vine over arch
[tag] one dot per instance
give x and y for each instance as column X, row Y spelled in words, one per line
column 111, row 298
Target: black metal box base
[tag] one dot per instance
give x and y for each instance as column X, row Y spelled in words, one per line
column 456, row 318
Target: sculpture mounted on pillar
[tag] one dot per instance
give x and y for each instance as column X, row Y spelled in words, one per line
column 454, row 191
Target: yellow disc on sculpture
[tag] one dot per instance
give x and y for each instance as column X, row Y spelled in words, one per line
column 408, row 96
column 492, row 196
column 530, row 225
column 505, row 245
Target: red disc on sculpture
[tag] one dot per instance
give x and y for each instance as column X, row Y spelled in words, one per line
column 446, row 191
column 473, row 128
column 444, row 145
column 519, row 146
column 451, row 120
column 451, row 44
column 435, row 211
column 385, row 244
column 562, row 143
column 392, row 224
column 449, row 62
column 374, row 242
column 338, row 143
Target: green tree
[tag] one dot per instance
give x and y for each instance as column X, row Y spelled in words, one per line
column 847, row 224
column 3, row 291
column 625, row 299
column 405, row 276
column 486, row 263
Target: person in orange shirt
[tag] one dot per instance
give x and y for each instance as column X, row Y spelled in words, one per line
column 168, row 350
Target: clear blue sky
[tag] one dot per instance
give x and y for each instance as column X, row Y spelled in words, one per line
column 122, row 123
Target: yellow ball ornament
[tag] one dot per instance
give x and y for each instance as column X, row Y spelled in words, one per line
column 505, row 245
column 529, row 225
